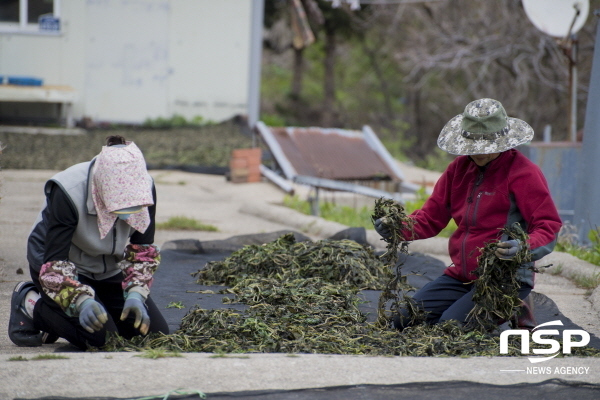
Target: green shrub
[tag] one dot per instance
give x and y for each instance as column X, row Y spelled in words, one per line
column 273, row 120
column 208, row 145
column 568, row 243
column 176, row 121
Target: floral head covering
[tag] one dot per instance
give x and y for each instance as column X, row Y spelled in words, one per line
column 120, row 180
column 483, row 128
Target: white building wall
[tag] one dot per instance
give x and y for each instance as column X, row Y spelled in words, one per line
column 210, row 53
column 126, row 61
column 130, row 60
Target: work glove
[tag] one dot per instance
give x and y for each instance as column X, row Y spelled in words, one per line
column 508, row 250
column 382, row 229
column 135, row 303
column 92, row 315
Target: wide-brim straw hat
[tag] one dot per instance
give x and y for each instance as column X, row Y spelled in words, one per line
column 483, row 128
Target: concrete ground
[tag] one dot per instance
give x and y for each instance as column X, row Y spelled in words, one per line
column 243, row 209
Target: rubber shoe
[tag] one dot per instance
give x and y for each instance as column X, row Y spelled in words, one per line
column 48, row 338
column 20, row 326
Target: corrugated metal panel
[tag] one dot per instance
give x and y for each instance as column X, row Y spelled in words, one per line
column 331, row 154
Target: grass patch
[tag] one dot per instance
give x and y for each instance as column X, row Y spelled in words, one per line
column 360, row 217
column 589, row 254
column 18, row 358
column 568, row 242
column 557, row 270
column 180, row 223
column 342, row 214
column 586, row 281
column 49, row 357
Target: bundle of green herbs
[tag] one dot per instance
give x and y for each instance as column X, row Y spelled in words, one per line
column 496, row 293
column 394, row 218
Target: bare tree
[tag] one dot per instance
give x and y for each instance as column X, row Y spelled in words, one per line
column 460, row 50
column 406, row 69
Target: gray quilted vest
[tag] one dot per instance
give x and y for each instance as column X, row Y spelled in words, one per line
column 94, row 257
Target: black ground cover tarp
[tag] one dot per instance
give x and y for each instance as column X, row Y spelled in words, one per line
column 552, row 389
column 174, row 283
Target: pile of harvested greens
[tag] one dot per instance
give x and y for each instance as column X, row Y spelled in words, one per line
column 343, row 262
column 303, row 297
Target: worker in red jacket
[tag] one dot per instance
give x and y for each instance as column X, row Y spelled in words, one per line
column 488, row 187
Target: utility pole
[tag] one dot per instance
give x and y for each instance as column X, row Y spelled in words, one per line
column 256, row 36
column 587, row 212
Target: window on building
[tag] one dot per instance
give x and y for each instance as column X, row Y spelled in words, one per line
column 29, row 15
column 37, row 8
column 9, row 11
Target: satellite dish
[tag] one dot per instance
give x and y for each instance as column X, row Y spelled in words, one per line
column 557, row 18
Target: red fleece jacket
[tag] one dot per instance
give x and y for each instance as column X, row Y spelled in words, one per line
column 482, row 201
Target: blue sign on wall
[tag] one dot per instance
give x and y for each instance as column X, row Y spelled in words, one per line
column 49, row 23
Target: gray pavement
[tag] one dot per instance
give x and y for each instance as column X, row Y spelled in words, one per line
column 243, row 209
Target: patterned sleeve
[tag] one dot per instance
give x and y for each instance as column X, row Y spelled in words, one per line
column 138, row 266
column 60, row 282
